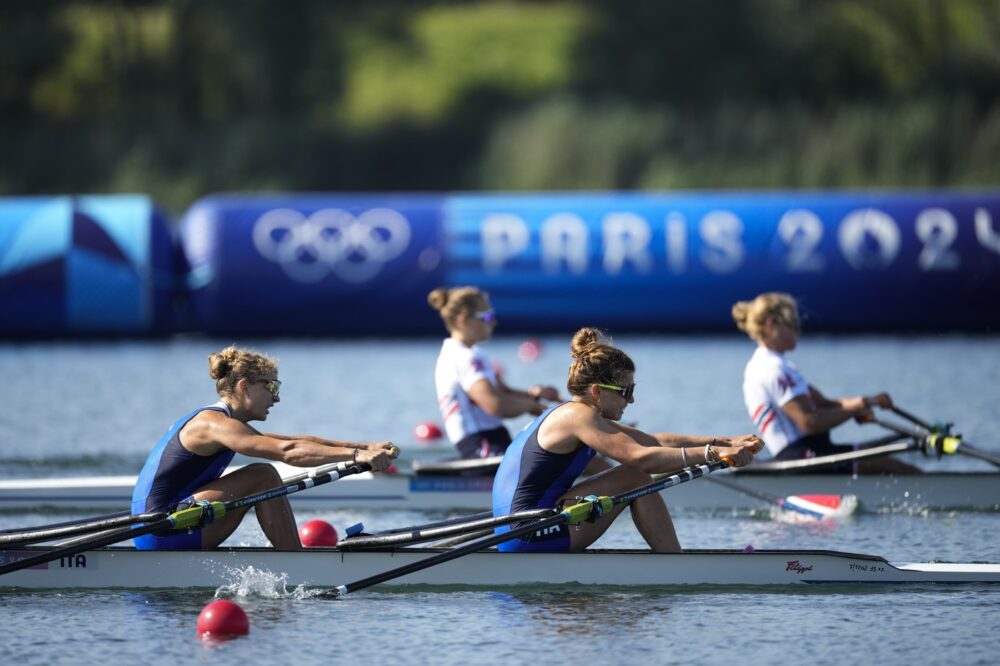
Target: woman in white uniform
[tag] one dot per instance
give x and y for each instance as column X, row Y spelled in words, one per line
column 473, row 400
column 793, row 417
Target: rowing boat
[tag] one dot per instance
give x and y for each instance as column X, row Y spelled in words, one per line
column 950, row 491
column 328, row 567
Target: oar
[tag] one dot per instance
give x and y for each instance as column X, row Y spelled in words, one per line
column 105, row 523
column 938, row 438
column 589, row 508
column 910, row 417
column 357, row 530
column 825, row 461
column 59, row 531
column 195, row 516
column 75, row 521
column 817, row 507
column 418, row 534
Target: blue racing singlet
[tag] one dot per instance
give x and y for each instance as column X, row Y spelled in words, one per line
column 171, row 474
column 529, row 477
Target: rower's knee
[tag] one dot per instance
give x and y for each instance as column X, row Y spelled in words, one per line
column 263, row 474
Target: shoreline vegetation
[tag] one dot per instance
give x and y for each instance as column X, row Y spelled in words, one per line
column 181, row 99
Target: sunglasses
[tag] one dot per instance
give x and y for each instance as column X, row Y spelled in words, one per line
column 488, row 316
column 625, row 392
column 272, row 385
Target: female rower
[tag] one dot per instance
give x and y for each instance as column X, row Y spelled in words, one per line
column 189, row 459
column 541, row 465
column 792, row 416
column 472, row 398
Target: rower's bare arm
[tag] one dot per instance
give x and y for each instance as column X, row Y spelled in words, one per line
column 813, row 420
column 366, row 446
column 501, row 402
column 694, row 446
column 629, row 446
column 206, row 436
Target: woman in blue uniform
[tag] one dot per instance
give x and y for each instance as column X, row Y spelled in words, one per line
column 189, row 459
column 542, row 464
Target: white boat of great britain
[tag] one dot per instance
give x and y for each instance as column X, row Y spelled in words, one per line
column 329, row 567
column 934, row 490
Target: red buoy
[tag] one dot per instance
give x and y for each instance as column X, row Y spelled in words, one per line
column 222, row 619
column 317, row 533
column 427, row 431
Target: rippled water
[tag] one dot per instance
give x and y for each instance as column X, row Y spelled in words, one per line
column 97, row 408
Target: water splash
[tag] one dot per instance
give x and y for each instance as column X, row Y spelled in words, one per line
column 253, row 582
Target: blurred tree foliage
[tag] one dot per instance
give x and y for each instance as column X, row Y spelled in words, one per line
column 180, row 98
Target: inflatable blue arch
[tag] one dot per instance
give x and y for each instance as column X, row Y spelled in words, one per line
column 337, row 264
column 88, row 265
column 333, row 264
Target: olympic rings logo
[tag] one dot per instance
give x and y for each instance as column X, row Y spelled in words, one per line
column 331, row 240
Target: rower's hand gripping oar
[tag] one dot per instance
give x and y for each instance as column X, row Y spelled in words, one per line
column 198, row 515
column 588, row 509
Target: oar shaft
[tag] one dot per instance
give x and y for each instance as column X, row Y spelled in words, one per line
column 910, row 417
column 76, row 521
column 98, row 542
column 182, row 519
column 59, row 532
column 963, row 448
column 902, row 430
column 416, row 535
column 28, row 535
column 439, row 523
column 740, row 488
column 980, row 455
column 449, row 555
column 826, row 461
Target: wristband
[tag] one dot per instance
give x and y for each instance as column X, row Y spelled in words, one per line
column 708, row 451
column 684, row 457
column 355, row 457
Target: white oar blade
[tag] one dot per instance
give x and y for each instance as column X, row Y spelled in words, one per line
column 821, row 507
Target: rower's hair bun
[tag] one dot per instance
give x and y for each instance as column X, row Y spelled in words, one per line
column 595, row 361
column 452, row 302
column 438, row 298
column 222, row 363
column 587, row 341
column 741, row 312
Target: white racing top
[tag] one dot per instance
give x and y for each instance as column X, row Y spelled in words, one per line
column 769, row 381
column 458, row 368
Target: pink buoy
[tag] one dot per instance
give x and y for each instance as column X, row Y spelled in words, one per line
column 318, row 533
column 529, row 350
column 748, row 549
column 427, row 432
column 222, row 619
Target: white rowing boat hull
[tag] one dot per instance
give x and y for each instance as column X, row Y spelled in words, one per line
column 128, row 568
column 935, row 490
